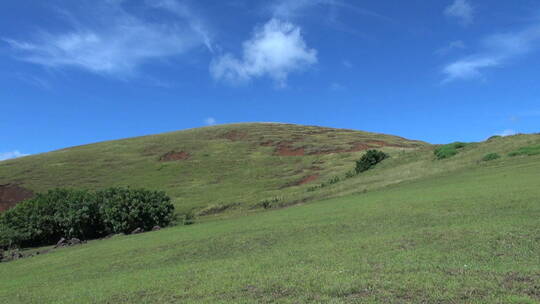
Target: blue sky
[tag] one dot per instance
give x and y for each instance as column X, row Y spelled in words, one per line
column 76, row 72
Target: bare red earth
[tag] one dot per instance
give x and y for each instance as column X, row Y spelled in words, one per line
column 235, row 135
column 11, row 194
column 285, row 149
column 307, row 179
column 172, row 156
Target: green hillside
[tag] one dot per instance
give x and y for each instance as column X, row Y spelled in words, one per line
column 233, row 165
column 463, row 230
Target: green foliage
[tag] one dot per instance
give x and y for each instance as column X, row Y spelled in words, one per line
column 50, row 216
column 449, row 150
column 334, row 180
column 494, row 137
column 491, row 156
column 124, row 209
column 82, row 214
column 270, row 203
column 528, row 151
column 187, row 218
column 350, row 174
column 369, row 160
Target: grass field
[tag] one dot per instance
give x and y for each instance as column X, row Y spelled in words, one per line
column 469, row 235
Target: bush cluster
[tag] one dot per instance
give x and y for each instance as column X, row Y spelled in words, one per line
column 449, row 150
column 370, row 160
column 491, row 156
column 83, row 214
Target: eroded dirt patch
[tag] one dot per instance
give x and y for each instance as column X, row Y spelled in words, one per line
column 173, row 156
column 308, row 179
column 11, row 194
column 285, row 149
column 235, row 135
column 305, row 180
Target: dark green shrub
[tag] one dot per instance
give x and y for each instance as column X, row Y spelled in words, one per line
column 369, row 160
column 491, row 156
column 124, row 209
column 494, row 137
column 82, row 214
column 449, row 150
column 50, row 216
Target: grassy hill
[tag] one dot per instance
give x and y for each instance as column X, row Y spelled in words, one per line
column 221, row 166
column 456, row 226
column 467, row 232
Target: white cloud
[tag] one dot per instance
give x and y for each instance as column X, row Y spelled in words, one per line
column 11, row 155
column 469, row 68
column 508, row 132
column 347, row 64
column 462, row 10
column 115, row 42
column 275, row 50
column 210, row 121
column 497, row 51
column 291, row 9
column 450, row 47
column 196, row 23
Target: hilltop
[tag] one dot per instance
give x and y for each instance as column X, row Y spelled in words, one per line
column 217, row 167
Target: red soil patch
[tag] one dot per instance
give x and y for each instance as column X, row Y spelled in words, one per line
column 173, row 156
column 11, row 194
column 235, row 135
column 303, row 181
column 307, row 179
column 285, row 149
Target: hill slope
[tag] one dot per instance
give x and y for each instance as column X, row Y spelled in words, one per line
column 466, row 235
column 230, row 165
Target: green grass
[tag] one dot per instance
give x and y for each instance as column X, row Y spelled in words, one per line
column 470, row 235
column 528, row 151
column 231, row 164
column 491, row 156
column 233, row 168
column 449, row 150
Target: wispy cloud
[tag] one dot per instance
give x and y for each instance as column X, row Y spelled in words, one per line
column 496, row 51
column 11, row 155
column 451, row 47
column 275, row 50
column 115, row 42
column 289, row 9
column 210, row 121
column 507, row 132
column 347, row 64
column 461, row 10
column 195, row 22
